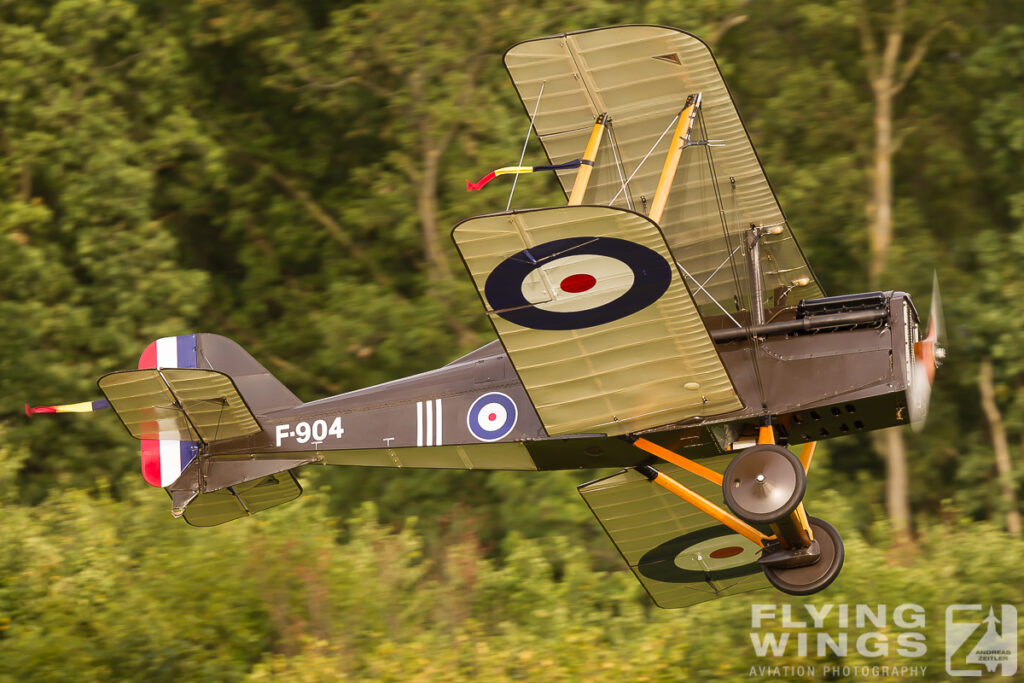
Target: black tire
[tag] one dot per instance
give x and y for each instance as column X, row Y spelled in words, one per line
column 772, row 498
column 818, row 576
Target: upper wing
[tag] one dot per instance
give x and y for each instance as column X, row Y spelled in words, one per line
column 595, row 318
column 679, row 554
column 640, row 76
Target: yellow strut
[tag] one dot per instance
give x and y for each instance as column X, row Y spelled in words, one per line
column 709, row 508
column 675, row 459
column 766, row 435
column 798, row 518
column 675, row 150
column 806, row 453
column 579, row 187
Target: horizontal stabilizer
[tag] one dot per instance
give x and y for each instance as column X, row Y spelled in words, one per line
column 179, row 404
column 242, row 500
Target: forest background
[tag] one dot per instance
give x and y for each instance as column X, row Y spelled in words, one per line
column 286, row 173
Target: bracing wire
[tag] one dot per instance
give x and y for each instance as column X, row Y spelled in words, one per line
column 646, row 156
column 701, row 287
column 618, row 165
column 728, row 242
column 525, row 142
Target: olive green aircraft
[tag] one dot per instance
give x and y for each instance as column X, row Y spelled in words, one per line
column 664, row 322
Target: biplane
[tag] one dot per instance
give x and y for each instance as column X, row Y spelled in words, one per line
column 664, row 322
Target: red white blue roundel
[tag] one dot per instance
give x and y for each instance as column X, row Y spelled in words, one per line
column 714, row 553
column 577, row 282
column 492, row 416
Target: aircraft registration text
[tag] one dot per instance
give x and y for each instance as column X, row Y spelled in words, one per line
column 303, row 432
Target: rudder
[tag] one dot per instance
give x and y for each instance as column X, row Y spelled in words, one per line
column 163, row 460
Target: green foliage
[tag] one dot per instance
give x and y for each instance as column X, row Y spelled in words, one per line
column 92, row 590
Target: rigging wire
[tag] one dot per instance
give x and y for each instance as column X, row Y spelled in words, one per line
column 618, row 164
column 701, row 288
column 526, row 142
column 715, row 271
column 721, row 205
column 754, row 348
column 646, row 156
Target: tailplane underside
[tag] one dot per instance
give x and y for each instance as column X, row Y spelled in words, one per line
column 242, row 500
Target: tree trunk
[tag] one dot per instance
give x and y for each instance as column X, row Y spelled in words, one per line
column 432, row 146
column 426, row 204
column 1000, row 445
column 888, row 75
column 880, row 208
column 730, row 21
column 882, row 74
column 890, row 445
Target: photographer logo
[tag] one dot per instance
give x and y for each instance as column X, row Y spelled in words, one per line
column 978, row 644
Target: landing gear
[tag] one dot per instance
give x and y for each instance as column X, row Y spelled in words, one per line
column 764, row 484
column 811, row 578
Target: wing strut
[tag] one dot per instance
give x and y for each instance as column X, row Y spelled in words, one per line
column 679, row 461
column 675, row 150
column 587, row 162
column 793, row 532
column 703, row 504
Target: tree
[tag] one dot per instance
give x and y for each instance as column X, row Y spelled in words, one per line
column 888, row 73
column 89, row 119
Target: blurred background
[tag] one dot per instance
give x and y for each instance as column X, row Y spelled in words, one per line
column 287, row 173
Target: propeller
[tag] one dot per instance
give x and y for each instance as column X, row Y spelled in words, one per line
column 928, row 356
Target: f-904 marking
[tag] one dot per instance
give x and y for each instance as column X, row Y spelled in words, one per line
column 316, row 430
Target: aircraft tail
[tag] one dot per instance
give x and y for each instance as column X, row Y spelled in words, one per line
column 263, row 393
column 189, row 390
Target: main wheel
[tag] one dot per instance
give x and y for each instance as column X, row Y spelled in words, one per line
column 764, row 484
column 817, row 576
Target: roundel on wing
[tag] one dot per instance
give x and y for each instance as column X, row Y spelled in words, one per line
column 492, row 416
column 715, row 553
column 577, row 282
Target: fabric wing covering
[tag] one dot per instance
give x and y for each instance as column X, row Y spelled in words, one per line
column 679, row 554
column 600, row 326
column 178, row 404
column 241, row 500
column 640, row 76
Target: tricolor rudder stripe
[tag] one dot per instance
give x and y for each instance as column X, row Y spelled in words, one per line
column 163, row 461
column 170, row 352
column 84, row 407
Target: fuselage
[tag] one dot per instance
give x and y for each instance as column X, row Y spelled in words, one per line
column 826, row 368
